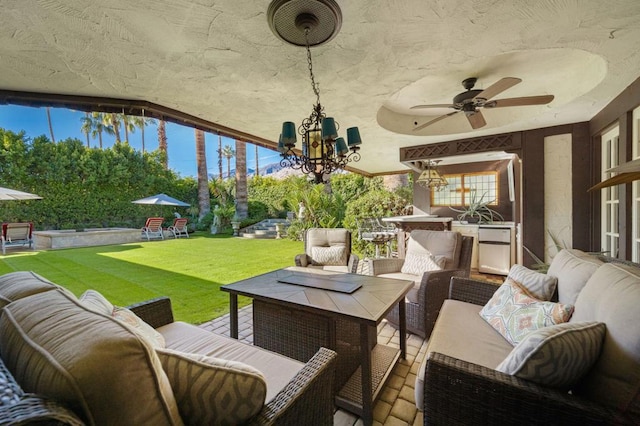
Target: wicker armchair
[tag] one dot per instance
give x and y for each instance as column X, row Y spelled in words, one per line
column 459, row 392
column 318, row 244
column 432, row 288
column 306, row 399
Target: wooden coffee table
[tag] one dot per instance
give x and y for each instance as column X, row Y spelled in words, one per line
column 297, row 311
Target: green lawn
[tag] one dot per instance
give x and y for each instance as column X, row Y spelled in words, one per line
column 189, row 271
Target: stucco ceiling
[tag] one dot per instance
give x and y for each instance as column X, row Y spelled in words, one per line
column 218, row 60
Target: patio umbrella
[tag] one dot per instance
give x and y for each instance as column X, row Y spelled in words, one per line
column 12, row 194
column 628, row 172
column 161, row 200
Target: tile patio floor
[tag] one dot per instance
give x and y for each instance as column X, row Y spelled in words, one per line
column 395, row 406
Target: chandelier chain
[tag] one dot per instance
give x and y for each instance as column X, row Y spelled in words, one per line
column 314, row 85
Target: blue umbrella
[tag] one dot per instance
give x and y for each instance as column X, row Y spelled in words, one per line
column 161, row 200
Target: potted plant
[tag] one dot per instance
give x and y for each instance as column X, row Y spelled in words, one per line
column 478, row 210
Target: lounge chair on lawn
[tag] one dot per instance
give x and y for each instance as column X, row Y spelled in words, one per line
column 179, row 227
column 153, row 228
column 16, row 235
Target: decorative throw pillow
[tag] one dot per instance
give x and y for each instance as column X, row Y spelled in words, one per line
column 96, row 302
column 419, row 263
column 514, row 313
column 539, row 285
column 211, row 390
column 142, row 328
column 329, row 255
column 558, row 355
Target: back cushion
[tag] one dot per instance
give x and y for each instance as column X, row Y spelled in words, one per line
column 612, row 296
column 572, row 268
column 16, row 285
column 55, row 346
column 438, row 243
column 327, row 237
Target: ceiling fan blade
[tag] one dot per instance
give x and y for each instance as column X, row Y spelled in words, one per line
column 432, row 106
column 498, row 87
column 435, row 120
column 523, row 101
column 476, row 119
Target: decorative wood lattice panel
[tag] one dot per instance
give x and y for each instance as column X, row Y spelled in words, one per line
column 465, row 146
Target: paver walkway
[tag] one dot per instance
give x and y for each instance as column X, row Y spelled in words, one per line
column 395, row 406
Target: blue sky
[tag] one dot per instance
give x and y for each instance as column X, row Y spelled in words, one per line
column 180, row 140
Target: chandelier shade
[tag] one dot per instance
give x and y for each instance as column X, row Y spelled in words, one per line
column 323, row 151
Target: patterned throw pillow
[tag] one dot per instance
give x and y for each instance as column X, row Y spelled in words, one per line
column 539, row 285
column 329, row 255
column 142, row 328
column 514, row 313
column 558, row 355
column 419, row 263
column 211, row 390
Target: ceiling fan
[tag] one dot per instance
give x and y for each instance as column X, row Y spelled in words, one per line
column 469, row 101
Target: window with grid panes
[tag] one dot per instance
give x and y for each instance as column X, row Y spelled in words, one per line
column 464, row 188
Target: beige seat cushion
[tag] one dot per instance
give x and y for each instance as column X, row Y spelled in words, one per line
column 412, row 296
column 276, row 369
column 612, row 296
column 572, row 268
column 460, row 332
column 90, row 361
column 438, row 243
column 16, row 285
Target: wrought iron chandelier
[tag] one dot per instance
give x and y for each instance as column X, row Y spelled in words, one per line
column 431, row 177
column 323, row 151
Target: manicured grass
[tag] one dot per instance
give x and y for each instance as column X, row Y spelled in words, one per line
column 189, row 271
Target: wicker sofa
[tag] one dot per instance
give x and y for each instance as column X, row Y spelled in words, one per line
column 82, row 360
column 461, row 379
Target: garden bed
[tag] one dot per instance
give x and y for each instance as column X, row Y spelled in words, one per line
column 68, row 238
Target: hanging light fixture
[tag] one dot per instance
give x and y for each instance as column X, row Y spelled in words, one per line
column 431, row 178
column 311, row 23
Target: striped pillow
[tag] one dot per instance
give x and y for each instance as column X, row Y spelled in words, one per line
column 212, row 390
column 558, row 355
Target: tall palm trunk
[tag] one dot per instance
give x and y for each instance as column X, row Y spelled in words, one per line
column 115, row 123
column 242, row 203
column 53, row 138
column 204, row 199
column 162, row 143
column 257, row 162
column 220, row 157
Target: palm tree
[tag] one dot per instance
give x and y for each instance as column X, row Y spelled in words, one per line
column 219, row 157
column 87, row 125
column 53, row 139
column 228, row 153
column 162, row 143
column 141, row 123
column 257, row 162
column 242, row 202
column 98, row 126
column 112, row 120
column 204, row 198
column 128, row 125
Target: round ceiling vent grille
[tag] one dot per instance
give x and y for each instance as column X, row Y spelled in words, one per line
column 288, row 20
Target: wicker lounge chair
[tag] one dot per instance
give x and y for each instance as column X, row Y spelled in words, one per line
column 16, row 235
column 328, row 249
column 179, row 228
column 432, row 288
column 153, row 228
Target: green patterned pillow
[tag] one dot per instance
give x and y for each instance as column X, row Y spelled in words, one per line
column 514, row 313
column 558, row 355
column 143, row 329
column 211, row 390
